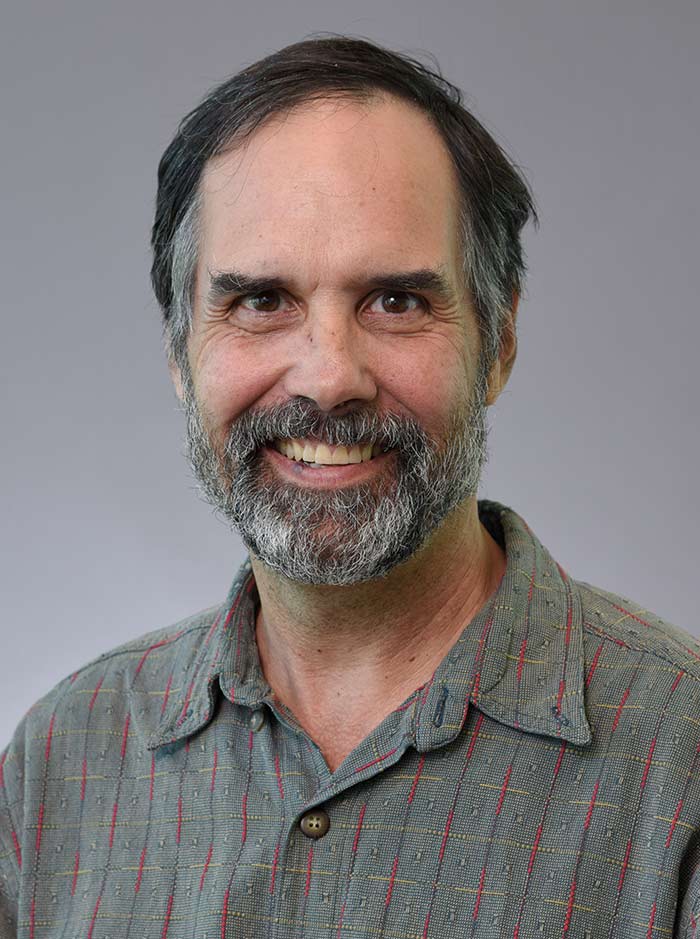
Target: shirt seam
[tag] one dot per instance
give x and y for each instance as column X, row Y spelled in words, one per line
column 637, row 648
column 533, row 715
column 602, row 594
column 405, row 739
column 106, row 656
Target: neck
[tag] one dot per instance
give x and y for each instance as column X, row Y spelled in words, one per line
column 319, row 644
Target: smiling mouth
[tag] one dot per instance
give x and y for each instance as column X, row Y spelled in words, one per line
column 316, row 453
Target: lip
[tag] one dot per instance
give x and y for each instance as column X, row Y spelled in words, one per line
column 326, row 477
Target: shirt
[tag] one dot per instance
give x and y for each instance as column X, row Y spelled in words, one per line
column 545, row 782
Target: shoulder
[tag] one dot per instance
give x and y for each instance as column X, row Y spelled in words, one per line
column 87, row 719
column 133, row 679
column 140, row 662
column 641, row 675
column 632, row 628
column 641, row 683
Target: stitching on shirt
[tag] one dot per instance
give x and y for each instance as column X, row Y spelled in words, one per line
column 381, row 764
column 504, row 712
column 669, row 643
column 640, row 648
column 507, row 705
column 133, row 649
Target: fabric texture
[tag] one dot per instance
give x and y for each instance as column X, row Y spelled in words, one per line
column 544, row 782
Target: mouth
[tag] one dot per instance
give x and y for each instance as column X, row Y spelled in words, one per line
column 317, row 453
column 311, row 462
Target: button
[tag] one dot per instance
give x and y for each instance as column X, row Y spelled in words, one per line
column 315, row 824
column 256, row 720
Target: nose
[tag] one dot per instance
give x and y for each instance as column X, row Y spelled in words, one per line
column 331, row 364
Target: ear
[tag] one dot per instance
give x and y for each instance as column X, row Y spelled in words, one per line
column 503, row 366
column 176, row 377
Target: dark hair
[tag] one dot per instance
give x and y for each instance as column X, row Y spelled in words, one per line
column 496, row 200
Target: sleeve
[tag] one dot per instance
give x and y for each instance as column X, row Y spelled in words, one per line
column 9, row 869
column 11, row 815
column 687, row 919
column 16, row 807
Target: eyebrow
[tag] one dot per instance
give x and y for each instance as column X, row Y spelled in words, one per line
column 223, row 284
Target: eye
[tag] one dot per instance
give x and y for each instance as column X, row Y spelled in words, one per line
column 398, row 303
column 268, row 301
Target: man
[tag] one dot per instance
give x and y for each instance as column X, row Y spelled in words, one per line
column 406, row 719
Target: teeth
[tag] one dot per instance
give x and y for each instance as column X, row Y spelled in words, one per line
column 323, row 455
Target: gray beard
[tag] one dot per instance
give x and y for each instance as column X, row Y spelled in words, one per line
column 346, row 535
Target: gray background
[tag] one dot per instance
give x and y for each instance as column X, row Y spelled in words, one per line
column 595, row 440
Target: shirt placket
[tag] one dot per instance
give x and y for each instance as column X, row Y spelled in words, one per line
column 320, row 816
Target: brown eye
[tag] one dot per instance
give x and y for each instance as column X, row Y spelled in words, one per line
column 397, row 303
column 267, row 302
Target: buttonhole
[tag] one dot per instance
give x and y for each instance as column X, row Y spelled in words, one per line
column 560, row 717
column 439, row 715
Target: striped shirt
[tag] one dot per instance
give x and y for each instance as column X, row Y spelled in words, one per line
column 544, row 782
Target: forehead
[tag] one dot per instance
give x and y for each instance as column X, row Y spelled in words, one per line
column 336, row 182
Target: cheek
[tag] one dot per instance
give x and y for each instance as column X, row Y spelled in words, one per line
column 230, row 380
column 428, row 386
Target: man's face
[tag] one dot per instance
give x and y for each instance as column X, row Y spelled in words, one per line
column 330, row 309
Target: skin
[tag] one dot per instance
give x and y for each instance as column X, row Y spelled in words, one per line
column 324, row 198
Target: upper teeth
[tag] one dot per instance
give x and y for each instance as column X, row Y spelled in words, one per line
column 312, row 452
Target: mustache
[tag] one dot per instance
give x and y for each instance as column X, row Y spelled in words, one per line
column 301, row 418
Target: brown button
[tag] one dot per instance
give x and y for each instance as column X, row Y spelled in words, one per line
column 315, row 824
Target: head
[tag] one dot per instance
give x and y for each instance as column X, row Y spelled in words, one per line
column 337, row 256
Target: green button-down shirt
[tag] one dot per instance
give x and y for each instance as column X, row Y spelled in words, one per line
column 544, row 782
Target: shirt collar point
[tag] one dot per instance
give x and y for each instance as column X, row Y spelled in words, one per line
column 572, row 727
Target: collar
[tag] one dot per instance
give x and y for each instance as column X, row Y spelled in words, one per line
column 520, row 660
